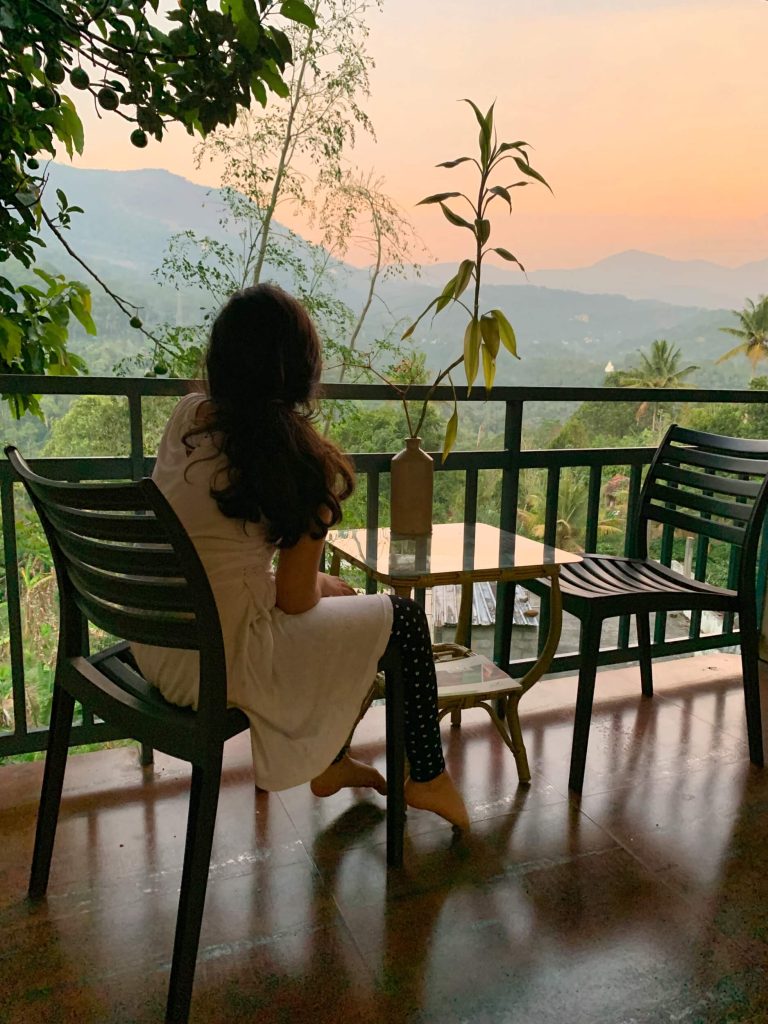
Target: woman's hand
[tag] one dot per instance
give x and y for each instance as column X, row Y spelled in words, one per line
column 333, row 586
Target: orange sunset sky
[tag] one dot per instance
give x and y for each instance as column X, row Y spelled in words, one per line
column 649, row 118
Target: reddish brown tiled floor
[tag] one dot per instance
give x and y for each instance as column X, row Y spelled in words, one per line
column 645, row 902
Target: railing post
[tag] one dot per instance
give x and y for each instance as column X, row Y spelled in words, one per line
column 510, row 491
column 13, row 600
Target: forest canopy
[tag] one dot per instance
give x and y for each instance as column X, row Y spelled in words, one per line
column 197, row 66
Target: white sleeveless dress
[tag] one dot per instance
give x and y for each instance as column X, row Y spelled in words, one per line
column 300, row 679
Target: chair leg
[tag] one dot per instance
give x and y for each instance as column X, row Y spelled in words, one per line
column 62, row 710
column 590, row 647
column 395, row 725
column 203, row 802
column 644, row 653
column 750, row 641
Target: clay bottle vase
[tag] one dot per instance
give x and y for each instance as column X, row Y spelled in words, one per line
column 411, row 481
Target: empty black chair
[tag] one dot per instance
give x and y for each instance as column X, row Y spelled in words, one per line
column 125, row 563
column 704, row 484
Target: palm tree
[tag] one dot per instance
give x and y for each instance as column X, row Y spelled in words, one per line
column 571, row 523
column 660, row 369
column 752, row 330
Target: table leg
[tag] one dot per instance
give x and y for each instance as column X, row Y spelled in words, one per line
column 335, row 564
column 535, row 673
column 464, row 625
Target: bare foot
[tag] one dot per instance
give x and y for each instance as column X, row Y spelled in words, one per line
column 441, row 796
column 348, row 773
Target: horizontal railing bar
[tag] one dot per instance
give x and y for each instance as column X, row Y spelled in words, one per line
column 36, row 740
column 622, row 655
column 14, row 384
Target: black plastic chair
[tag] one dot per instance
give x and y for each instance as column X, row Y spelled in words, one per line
column 125, row 563
column 704, row 484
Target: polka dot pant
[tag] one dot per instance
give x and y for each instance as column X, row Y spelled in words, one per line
column 410, row 633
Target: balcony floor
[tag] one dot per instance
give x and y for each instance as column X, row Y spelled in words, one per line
column 645, row 902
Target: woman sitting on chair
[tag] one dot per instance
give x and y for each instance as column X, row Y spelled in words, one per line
column 248, row 474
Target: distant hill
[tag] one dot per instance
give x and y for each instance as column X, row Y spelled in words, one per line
column 643, row 275
column 570, row 323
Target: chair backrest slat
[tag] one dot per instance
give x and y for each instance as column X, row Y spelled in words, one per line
column 113, row 526
column 130, row 623
column 716, row 461
column 133, row 591
column 120, row 558
column 694, row 524
column 739, row 511
column 708, row 481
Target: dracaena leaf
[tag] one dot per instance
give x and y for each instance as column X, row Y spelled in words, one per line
column 438, row 198
column 506, row 146
column 472, row 341
column 409, row 330
column 490, row 332
column 454, row 163
column 526, row 168
column 463, row 277
column 507, row 255
column 499, row 190
column 489, row 368
column 451, row 430
column 454, row 218
column 483, row 228
column 506, row 332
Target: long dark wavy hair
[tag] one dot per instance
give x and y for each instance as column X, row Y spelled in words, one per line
column 263, row 367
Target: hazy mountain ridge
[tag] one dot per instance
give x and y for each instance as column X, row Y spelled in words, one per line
column 570, row 323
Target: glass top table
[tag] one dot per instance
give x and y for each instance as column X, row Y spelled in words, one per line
column 466, row 553
column 454, row 553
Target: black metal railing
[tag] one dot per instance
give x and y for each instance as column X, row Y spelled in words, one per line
column 510, row 460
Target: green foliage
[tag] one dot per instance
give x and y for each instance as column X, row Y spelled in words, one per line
column 752, row 330
column 485, row 333
column 199, row 73
column 733, row 420
column 99, row 425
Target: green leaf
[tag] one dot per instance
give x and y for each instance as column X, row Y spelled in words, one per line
column 463, row 277
column 506, row 146
column 455, row 219
column 489, row 368
column 499, row 190
column 451, row 430
column 409, row 331
column 446, row 295
column 526, row 168
column 454, row 163
column 483, row 228
column 82, row 313
column 72, row 125
column 11, row 337
column 506, row 332
column 258, row 90
column 296, row 10
column 489, row 329
column 472, row 340
column 439, row 197
column 274, row 81
column 507, row 255
column 283, row 43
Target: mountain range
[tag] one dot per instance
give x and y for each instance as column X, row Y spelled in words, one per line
column 570, row 322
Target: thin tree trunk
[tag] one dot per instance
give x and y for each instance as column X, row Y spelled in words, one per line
column 282, row 164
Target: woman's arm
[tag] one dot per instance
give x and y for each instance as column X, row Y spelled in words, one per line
column 297, row 577
column 298, row 581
